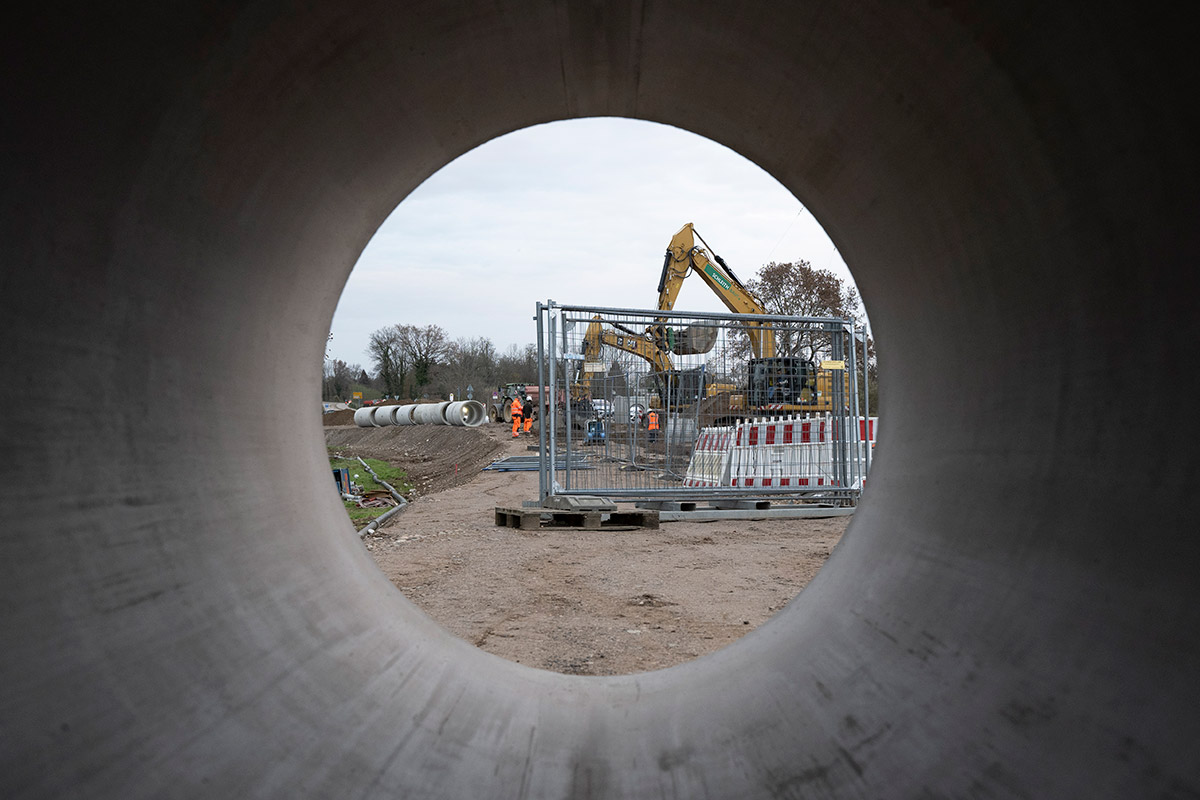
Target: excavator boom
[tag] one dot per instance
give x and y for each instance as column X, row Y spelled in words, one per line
column 776, row 383
column 641, row 346
column 684, row 257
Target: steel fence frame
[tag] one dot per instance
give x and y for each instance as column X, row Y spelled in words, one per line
column 620, row 473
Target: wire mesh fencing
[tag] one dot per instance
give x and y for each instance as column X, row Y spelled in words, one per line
column 654, row 405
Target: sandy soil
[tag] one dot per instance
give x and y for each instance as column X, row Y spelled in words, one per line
column 569, row 600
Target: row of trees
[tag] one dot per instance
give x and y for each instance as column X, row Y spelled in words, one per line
column 411, row 361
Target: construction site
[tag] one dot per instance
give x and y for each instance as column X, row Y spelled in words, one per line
column 669, row 481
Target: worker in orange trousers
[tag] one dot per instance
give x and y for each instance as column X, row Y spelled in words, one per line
column 527, row 411
column 517, row 413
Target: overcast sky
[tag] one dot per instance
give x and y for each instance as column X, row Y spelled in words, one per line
column 579, row 212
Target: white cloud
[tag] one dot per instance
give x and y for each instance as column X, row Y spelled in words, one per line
column 579, row 212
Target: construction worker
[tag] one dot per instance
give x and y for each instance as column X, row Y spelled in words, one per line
column 518, row 411
column 527, row 412
column 652, row 425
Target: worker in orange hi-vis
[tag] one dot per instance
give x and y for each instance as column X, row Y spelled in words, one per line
column 527, row 412
column 652, row 425
column 517, row 413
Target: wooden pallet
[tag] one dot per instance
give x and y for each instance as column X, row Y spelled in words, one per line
column 537, row 518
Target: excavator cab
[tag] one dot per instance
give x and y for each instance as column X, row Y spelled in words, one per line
column 680, row 387
column 783, row 380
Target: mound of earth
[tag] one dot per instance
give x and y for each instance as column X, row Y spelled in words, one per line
column 436, row 457
column 345, row 417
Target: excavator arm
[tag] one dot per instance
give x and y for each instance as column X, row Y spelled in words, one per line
column 642, row 346
column 683, row 257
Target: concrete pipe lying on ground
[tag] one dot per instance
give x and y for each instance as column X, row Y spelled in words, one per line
column 391, row 415
column 365, row 417
column 430, row 413
column 403, row 415
column 465, row 413
column 1014, row 610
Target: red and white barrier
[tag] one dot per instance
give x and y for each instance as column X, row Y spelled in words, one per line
column 709, row 465
column 866, row 429
column 769, row 454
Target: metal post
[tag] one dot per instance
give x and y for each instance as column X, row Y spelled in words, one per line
column 665, row 429
column 838, row 404
column 631, row 428
column 857, row 473
column 544, row 400
column 867, row 403
column 552, row 455
column 570, row 403
column 635, row 427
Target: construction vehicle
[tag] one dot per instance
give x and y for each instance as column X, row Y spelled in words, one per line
column 499, row 408
column 776, row 384
column 622, row 338
column 682, row 387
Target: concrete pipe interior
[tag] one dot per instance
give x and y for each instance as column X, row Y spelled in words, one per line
column 1013, row 611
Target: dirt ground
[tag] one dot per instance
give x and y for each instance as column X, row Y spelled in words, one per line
column 569, row 600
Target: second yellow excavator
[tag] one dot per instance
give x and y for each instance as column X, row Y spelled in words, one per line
column 675, row 387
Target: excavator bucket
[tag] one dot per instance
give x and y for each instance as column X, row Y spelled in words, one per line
column 692, row 340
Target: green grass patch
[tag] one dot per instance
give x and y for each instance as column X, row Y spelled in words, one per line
column 398, row 478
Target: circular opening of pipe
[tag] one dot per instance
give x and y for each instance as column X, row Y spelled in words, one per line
column 441, row 308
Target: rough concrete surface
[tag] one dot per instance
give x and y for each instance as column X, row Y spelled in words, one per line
column 1013, row 611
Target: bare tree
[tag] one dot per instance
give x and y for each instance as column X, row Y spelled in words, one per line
column 468, row 362
column 390, row 358
column 339, row 379
column 424, row 347
column 518, row 364
column 797, row 289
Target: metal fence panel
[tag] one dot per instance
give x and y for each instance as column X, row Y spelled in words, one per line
column 673, row 405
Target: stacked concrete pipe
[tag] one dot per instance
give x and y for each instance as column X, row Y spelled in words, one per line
column 395, row 415
column 365, row 417
column 430, row 413
column 1014, row 611
column 465, row 413
column 403, row 415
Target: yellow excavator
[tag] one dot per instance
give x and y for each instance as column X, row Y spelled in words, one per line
column 777, row 384
column 624, row 339
column 680, row 386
